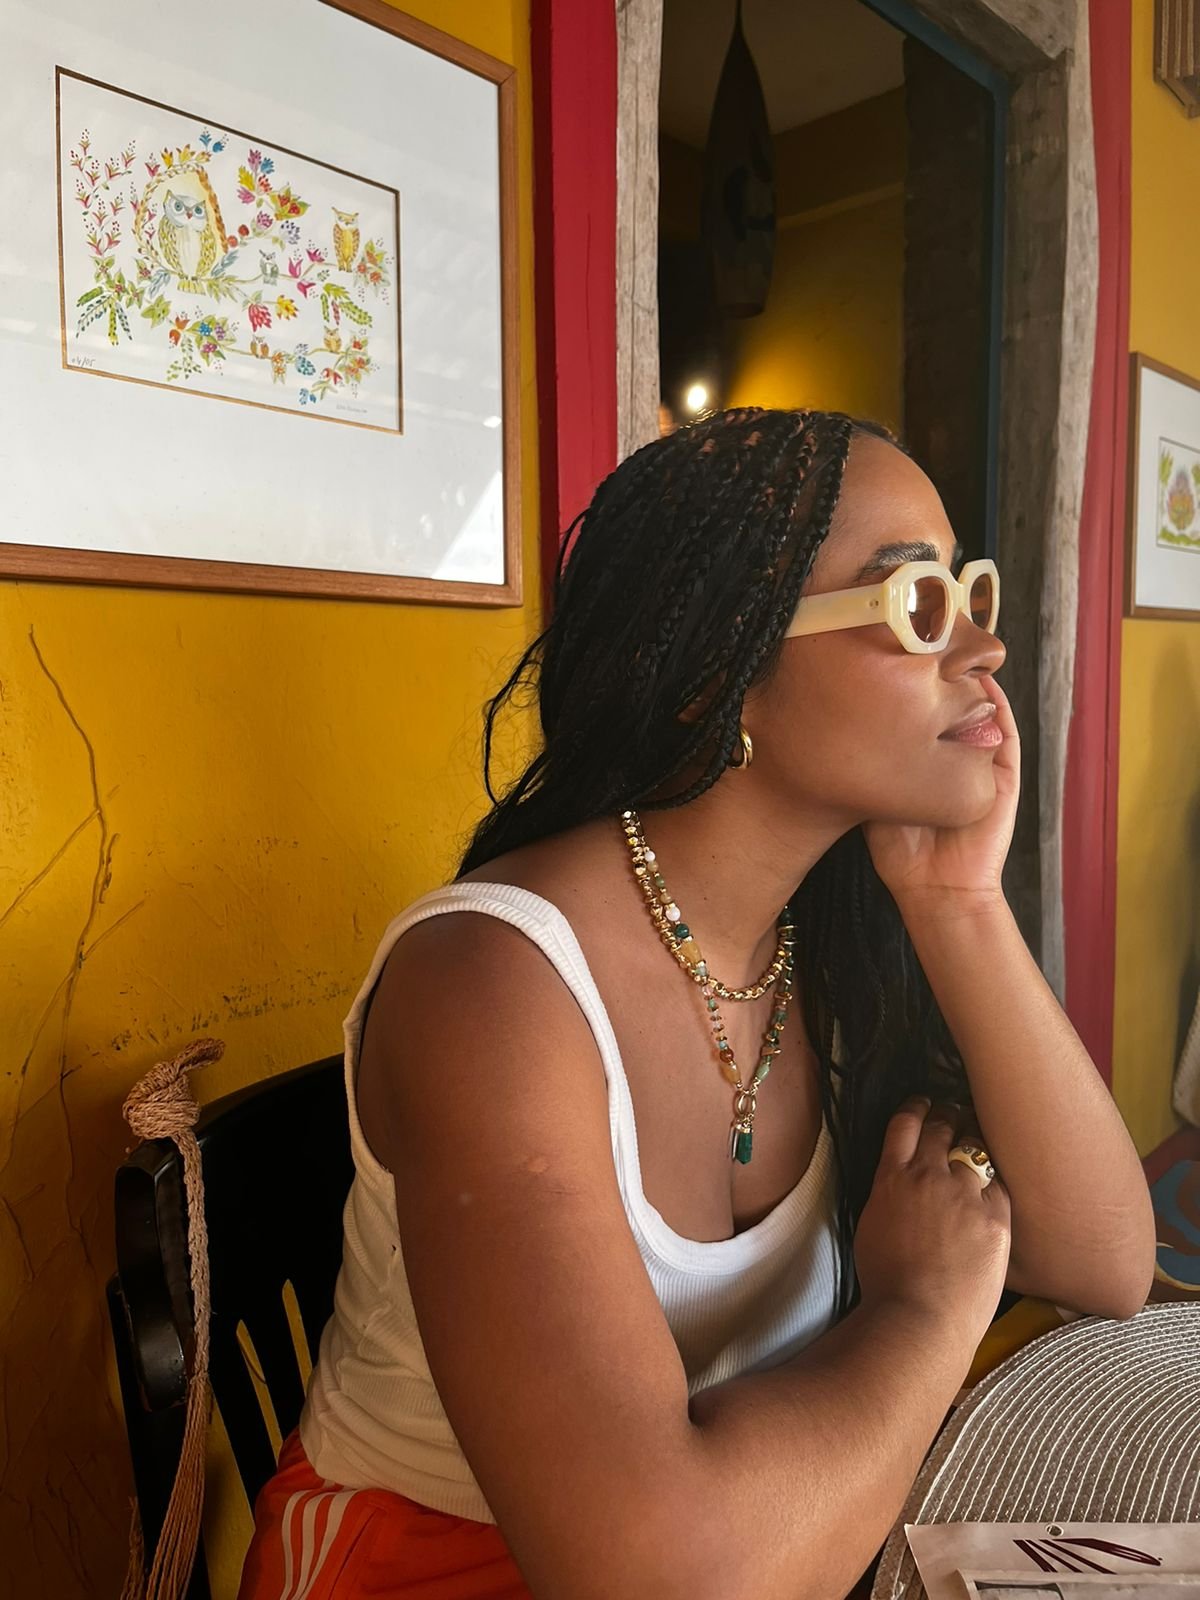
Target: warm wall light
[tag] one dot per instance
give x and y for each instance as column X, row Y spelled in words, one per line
column 696, row 398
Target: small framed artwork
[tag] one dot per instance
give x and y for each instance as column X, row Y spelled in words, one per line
column 1162, row 571
column 259, row 328
column 1177, row 51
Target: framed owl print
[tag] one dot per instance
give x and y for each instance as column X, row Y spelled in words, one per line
column 262, row 329
column 1162, row 565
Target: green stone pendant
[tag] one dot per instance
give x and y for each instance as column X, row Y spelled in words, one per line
column 743, row 1148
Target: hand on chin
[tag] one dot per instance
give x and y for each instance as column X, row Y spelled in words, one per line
column 922, row 860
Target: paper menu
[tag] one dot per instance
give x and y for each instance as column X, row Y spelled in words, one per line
column 1080, row 1586
column 1053, row 1560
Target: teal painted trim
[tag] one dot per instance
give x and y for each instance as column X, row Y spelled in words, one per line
column 903, row 15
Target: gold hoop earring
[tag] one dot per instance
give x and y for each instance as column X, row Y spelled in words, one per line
column 747, row 748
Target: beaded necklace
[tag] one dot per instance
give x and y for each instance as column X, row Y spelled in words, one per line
column 680, row 941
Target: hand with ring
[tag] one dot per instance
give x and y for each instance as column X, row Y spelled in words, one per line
column 929, row 1239
column 976, row 1158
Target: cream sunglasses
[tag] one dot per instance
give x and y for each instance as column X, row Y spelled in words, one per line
column 919, row 603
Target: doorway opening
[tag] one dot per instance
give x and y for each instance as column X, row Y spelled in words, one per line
column 838, row 243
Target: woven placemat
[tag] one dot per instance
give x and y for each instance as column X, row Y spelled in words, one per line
column 1097, row 1421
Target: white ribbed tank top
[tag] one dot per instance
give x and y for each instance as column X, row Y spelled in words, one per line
column 372, row 1417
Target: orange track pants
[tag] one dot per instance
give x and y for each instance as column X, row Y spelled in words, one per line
column 314, row 1540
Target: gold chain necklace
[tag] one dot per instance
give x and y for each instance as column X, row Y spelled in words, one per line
column 681, row 942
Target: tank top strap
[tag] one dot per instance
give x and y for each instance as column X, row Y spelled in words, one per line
column 550, row 930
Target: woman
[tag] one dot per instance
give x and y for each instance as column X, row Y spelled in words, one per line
column 659, row 1276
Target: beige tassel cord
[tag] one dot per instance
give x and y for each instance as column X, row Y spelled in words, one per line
column 161, row 1106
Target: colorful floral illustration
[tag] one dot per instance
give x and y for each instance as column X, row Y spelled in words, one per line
column 1178, row 496
column 1181, row 503
column 213, row 263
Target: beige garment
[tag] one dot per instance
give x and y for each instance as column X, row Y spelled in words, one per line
column 373, row 1417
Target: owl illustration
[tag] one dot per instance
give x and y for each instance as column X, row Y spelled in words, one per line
column 190, row 236
column 346, row 235
column 269, row 266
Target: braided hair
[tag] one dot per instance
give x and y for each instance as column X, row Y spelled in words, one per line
column 685, row 570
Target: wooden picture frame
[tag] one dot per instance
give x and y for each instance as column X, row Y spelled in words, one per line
column 450, row 442
column 1162, row 562
column 1177, row 51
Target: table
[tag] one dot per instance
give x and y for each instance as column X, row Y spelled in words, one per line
column 1096, row 1421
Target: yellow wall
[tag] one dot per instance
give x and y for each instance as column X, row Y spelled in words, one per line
column 832, row 331
column 210, row 806
column 1158, row 815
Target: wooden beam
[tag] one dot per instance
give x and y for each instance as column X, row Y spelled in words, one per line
column 1013, row 35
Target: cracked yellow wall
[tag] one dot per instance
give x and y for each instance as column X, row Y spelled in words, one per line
column 1158, row 806
column 210, row 806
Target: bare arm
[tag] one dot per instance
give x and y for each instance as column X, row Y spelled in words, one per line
column 482, row 1091
column 815, row 1458
column 1082, row 1218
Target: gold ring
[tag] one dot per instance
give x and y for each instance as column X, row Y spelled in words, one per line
column 977, row 1159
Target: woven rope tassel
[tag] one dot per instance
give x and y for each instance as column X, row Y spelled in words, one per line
column 161, row 1106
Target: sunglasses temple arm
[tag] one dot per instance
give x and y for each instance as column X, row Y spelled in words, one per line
column 825, row 613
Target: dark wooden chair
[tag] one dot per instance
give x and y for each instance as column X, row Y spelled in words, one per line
column 277, row 1167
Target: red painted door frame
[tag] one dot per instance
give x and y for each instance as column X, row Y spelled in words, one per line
column 1090, row 797
column 574, row 55
column 574, row 60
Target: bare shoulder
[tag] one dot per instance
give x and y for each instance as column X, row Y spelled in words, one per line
column 569, row 868
column 471, row 1000
column 463, row 965
column 468, row 1005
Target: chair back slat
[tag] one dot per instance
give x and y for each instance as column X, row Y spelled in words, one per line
column 241, row 1412
column 309, row 1287
column 266, row 1323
